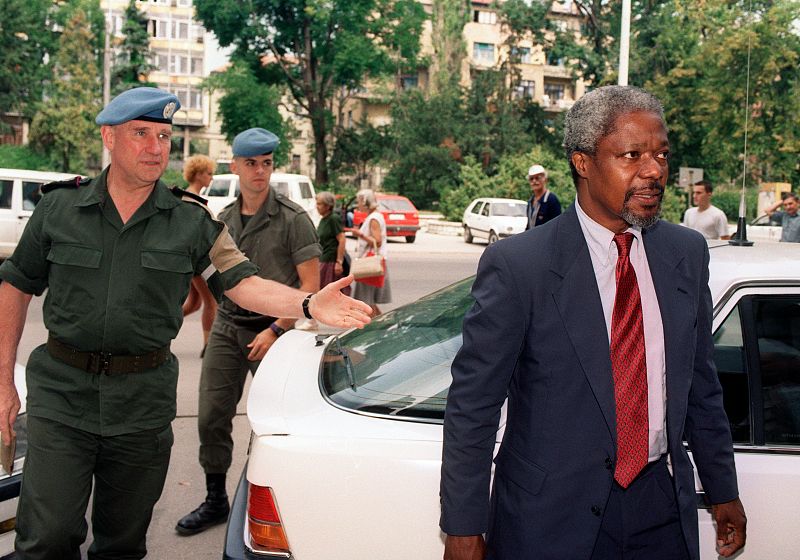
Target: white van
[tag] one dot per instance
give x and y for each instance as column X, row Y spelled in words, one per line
column 298, row 188
column 19, row 194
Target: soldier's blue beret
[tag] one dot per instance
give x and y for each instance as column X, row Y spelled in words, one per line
column 141, row 104
column 254, row 142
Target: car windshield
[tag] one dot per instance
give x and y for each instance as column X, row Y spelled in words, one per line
column 399, row 365
column 513, row 209
column 219, row 187
column 397, row 204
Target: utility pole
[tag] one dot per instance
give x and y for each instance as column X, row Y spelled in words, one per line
column 107, row 73
column 624, row 43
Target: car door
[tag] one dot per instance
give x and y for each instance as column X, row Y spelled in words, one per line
column 8, row 219
column 757, row 353
column 31, row 194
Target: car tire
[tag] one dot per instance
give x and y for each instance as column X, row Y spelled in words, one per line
column 467, row 235
column 410, row 238
column 493, row 237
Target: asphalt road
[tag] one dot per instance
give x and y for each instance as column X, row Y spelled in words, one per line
column 433, row 262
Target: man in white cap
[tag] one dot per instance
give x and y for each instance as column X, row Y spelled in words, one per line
column 543, row 205
column 116, row 255
column 278, row 236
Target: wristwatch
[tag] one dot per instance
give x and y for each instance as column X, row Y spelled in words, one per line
column 306, row 301
column 277, row 329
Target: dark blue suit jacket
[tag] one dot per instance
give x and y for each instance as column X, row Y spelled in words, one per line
column 536, row 334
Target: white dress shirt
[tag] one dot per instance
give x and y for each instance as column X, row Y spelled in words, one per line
column 603, row 252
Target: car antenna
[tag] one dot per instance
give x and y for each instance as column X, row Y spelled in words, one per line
column 740, row 237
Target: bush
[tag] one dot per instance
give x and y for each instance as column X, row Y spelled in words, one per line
column 728, row 201
column 22, row 157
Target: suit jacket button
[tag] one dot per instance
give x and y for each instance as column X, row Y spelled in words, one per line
column 596, row 510
column 609, row 463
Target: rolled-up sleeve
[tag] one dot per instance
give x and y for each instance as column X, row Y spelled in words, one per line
column 303, row 239
column 223, row 266
column 27, row 268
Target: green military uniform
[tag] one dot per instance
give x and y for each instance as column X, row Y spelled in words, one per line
column 277, row 238
column 115, row 289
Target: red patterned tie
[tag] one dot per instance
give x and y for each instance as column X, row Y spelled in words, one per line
column 629, row 367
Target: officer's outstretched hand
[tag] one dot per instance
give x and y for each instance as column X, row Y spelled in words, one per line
column 9, row 407
column 332, row 307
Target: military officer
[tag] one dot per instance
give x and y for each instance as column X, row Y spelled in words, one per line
column 116, row 255
column 277, row 235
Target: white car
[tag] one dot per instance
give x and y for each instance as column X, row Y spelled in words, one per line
column 494, row 218
column 347, row 429
column 10, row 483
column 19, row 194
column 225, row 188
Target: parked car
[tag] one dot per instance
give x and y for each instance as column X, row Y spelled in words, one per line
column 347, row 429
column 494, row 218
column 399, row 213
column 225, row 188
column 10, row 483
column 764, row 228
column 20, row 191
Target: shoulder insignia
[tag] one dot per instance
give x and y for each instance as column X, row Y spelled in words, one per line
column 68, row 184
column 182, row 194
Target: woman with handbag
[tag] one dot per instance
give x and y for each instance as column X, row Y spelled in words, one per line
column 371, row 240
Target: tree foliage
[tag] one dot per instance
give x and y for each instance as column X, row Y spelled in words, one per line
column 25, row 40
column 447, row 26
column 64, row 127
column 132, row 66
column 246, row 103
column 318, row 47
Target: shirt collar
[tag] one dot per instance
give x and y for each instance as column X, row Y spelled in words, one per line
column 97, row 192
column 601, row 239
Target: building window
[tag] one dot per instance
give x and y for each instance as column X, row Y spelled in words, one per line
column 184, row 3
column 180, row 30
column 162, row 62
column 484, row 16
column 525, row 88
column 521, row 55
column 554, row 92
column 197, row 66
column 483, row 52
column 409, row 82
column 554, row 60
column 296, row 163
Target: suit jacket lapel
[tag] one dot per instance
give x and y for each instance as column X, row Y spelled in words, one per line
column 578, row 301
column 678, row 313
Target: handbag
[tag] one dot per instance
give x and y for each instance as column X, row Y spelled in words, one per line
column 369, row 269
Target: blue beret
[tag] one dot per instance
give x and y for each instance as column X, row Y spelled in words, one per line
column 254, row 142
column 141, row 104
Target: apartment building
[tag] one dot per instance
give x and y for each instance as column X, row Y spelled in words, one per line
column 541, row 77
column 184, row 53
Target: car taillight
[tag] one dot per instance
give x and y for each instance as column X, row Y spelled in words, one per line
column 265, row 526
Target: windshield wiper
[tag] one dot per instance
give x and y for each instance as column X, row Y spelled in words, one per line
column 348, row 364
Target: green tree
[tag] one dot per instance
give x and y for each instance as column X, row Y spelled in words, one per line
column 447, row 24
column 25, row 40
column 246, row 103
column 316, row 48
column 357, row 148
column 132, row 66
column 64, row 127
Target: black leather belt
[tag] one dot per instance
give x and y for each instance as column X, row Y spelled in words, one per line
column 106, row 362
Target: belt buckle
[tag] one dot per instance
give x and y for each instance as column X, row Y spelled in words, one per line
column 100, row 363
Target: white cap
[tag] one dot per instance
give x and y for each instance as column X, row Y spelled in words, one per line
column 535, row 170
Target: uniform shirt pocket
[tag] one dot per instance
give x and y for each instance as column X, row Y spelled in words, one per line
column 167, row 261
column 74, row 255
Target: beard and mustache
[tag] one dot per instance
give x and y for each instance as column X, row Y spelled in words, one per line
column 639, row 220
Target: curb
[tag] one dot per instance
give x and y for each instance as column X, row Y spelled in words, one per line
column 441, row 227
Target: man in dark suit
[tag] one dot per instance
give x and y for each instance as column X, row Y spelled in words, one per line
column 596, row 327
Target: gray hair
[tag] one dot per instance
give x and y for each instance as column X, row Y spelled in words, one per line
column 367, row 197
column 326, row 198
column 593, row 116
